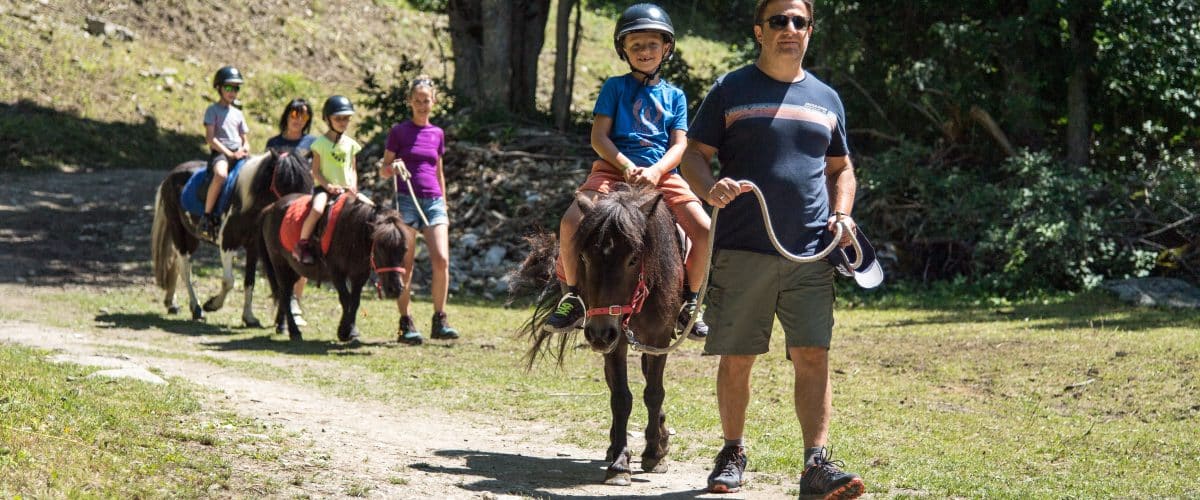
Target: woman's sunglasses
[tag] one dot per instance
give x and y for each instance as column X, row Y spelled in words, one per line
column 299, row 114
column 780, row 21
column 230, row 88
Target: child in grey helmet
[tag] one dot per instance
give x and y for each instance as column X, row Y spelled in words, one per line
column 225, row 132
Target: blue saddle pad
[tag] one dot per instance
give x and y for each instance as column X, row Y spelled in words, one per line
column 192, row 198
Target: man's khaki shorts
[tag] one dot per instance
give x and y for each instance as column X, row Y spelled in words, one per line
column 747, row 290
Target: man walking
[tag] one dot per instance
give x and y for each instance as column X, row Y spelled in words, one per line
column 776, row 125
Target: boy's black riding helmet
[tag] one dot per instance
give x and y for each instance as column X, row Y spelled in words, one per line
column 644, row 17
column 336, row 106
column 228, row 74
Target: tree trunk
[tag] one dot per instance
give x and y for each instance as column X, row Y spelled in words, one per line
column 466, row 39
column 496, row 44
column 527, row 35
column 497, row 71
column 1081, row 26
column 560, row 102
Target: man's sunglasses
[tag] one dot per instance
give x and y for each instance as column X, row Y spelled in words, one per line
column 780, row 21
column 299, row 114
column 230, row 88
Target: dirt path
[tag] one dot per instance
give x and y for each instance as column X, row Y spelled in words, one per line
column 368, row 446
column 91, row 229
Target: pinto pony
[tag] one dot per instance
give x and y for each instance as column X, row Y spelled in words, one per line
column 366, row 238
column 175, row 235
column 630, row 278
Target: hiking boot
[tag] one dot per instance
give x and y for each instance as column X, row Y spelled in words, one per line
column 726, row 476
column 826, row 479
column 440, row 329
column 700, row 329
column 304, row 253
column 408, row 333
column 567, row 316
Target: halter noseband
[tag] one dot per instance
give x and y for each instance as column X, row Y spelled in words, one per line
column 635, row 303
column 380, row 270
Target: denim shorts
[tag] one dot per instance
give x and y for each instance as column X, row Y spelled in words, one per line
column 434, row 208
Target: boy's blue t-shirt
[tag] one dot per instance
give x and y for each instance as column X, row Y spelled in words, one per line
column 776, row 134
column 643, row 116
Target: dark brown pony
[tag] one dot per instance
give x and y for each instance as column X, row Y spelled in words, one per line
column 367, row 238
column 626, row 239
column 175, row 237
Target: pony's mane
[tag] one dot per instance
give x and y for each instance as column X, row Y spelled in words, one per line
column 620, row 217
column 387, row 228
column 294, row 174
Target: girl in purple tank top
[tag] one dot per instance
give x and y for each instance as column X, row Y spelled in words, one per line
column 414, row 156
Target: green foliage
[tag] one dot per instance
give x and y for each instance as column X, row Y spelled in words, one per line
column 386, row 104
column 683, row 75
column 280, row 89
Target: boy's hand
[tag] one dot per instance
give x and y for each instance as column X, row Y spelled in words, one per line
column 644, row 176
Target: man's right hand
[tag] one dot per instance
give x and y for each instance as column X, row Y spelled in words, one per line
column 724, row 191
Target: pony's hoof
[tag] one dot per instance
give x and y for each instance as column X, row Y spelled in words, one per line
column 295, row 337
column 618, row 479
column 197, row 314
column 350, row 336
column 252, row 323
column 280, row 329
column 211, row 305
column 173, row 309
column 654, row 465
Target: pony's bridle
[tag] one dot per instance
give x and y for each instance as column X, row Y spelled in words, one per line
column 379, row 270
column 640, row 292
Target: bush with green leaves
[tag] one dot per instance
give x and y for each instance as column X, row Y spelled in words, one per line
column 386, row 102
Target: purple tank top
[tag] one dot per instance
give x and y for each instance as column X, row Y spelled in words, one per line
column 420, row 148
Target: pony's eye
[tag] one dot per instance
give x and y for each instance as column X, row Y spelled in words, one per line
column 633, row 261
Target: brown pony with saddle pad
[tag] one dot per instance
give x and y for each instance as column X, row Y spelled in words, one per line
column 631, row 276
column 358, row 238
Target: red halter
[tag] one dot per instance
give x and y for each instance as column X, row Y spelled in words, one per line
column 380, row 270
column 635, row 303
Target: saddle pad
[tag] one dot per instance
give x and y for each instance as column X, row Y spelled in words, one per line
column 293, row 221
column 192, row 197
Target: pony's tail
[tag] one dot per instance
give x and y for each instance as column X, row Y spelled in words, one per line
column 163, row 254
column 535, row 281
column 261, row 241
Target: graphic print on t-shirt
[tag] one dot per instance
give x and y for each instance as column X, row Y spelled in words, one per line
column 649, row 119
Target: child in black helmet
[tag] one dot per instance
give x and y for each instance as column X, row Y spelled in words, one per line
column 334, row 168
column 640, row 133
column 225, row 132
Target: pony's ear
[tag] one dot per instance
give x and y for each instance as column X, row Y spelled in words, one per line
column 585, row 204
column 648, row 205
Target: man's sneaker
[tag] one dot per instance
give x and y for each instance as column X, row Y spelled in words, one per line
column 567, row 316
column 408, row 333
column 441, row 329
column 304, row 252
column 726, row 476
column 827, row 479
column 700, row 329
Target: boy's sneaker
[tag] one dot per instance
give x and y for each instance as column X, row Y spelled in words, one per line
column 408, row 333
column 210, row 225
column 827, row 479
column 567, row 316
column 304, row 253
column 726, row 476
column 700, row 329
column 440, row 329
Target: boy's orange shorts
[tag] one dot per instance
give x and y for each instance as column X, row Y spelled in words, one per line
column 675, row 190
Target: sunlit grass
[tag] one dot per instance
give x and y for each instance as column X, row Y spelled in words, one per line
column 1026, row 400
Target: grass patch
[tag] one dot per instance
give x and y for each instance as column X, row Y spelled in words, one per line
column 64, row 435
column 1027, row 399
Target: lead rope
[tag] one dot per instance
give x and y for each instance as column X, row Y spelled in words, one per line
column 413, row 194
column 840, row 228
